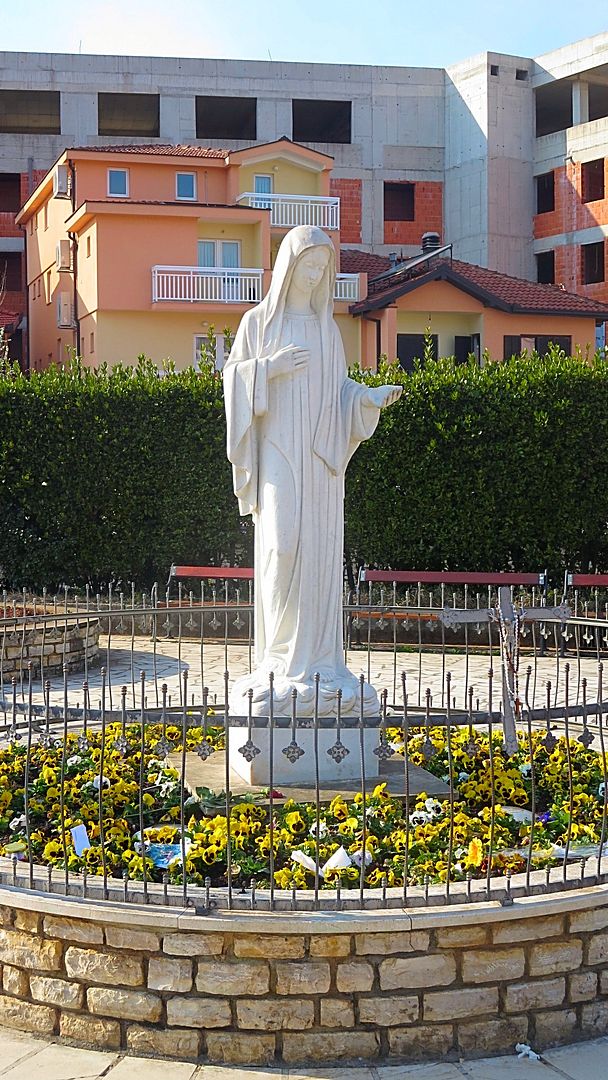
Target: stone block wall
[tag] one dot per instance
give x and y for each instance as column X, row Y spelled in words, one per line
column 52, row 648
column 465, row 981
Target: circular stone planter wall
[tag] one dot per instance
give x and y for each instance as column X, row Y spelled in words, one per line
column 255, row 988
column 51, row 647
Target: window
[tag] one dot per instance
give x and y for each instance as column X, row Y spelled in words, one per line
column 410, row 347
column 399, row 202
column 521, row 74
column 45, row 216
column 226, row 253
column 201, row 342
column 545, row 193
column 48, row 289
column 321, row 121
column 553, row 107
column 88, row 247
column 185, row 185
column 10, row 193
column 262, row 185
column 92, row 342
column 545, row 268
column 494, row 69
column 514, row 344
column 118, row 183
column 10, row 271
column 134, row 115
column 592, row 262
column 592, row 180
column 30, row 112
column 226, row 118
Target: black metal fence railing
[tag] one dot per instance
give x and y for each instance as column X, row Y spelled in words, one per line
column 117, row 776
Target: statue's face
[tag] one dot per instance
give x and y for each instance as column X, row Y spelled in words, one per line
column 310, row 268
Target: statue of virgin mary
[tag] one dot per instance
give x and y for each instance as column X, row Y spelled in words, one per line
column 294, row 420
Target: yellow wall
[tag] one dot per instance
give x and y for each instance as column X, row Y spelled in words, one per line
column 289, row 179
column 249, row 235
column 161, row 335
column 445, row 325
column 87, row 269
column 350, row 331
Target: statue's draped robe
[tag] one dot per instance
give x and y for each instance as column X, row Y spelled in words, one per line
column 289, row 444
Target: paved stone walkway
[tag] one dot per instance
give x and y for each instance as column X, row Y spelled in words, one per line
column 23, row 1057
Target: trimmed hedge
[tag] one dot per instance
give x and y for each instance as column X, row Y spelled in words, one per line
column 113, row 475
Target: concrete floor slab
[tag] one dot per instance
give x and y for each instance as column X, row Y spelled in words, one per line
column 585, row 1061
column 58, row 1062
column 133, row 1068
column 428, row 1071
column 507, row 1068
column 16, row 1047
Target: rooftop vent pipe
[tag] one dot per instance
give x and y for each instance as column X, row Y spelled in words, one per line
column 430, row 241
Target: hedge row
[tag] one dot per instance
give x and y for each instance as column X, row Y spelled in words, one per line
column 113, row 475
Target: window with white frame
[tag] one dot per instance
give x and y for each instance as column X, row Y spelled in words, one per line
column 185, row 185
column 201, row 348
column 220, row 253
column 262, row 185
column 118, row 183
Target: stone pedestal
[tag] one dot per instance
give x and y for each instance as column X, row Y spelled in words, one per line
column 294, row 767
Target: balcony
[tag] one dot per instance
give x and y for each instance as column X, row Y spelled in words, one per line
column 287, row 211
column 206, row 285
column 213, row 285
column 347, row 288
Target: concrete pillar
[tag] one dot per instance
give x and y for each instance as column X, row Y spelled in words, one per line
column 580, row 102
column 78, row 118
column 177, row 119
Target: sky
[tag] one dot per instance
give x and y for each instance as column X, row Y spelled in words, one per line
column 400, row 32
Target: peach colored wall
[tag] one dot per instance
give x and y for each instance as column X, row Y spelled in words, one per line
column 42, row 242
column 497, row 324
column 153, row 178
column 438, row 296
column 47, row 342
column 445, row 324
column 351, row 337
column 88, row 297
column 128, row 248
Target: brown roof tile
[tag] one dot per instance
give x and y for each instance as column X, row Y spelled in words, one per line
column 158, row 150
column 493, row 288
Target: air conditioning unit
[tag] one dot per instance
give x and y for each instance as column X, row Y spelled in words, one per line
column 63, row 255
column 61, row 182
column 65, row 312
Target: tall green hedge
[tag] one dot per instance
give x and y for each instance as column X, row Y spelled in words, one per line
column 114, row 475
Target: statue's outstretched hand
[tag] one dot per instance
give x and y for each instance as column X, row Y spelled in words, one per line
column 287, row 361
column 382, row 396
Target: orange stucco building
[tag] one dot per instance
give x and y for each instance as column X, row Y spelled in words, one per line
column 141, row 249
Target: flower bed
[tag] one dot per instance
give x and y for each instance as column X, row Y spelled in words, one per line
column 64, row 792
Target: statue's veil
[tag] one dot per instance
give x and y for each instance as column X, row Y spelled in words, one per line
column 271, row 312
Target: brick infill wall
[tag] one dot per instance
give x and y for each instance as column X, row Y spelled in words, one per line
column 253, row 989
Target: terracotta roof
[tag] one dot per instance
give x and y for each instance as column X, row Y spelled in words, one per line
column 491, row 287
column 9, row 320
column 362, row 262
column 157, row 150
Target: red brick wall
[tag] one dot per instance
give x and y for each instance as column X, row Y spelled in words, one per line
column 570, row 214
column 428, row 216
column 349, row 193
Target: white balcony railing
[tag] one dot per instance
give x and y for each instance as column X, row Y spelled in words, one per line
column 347, row 287
column 286, row 211
column 206, row 284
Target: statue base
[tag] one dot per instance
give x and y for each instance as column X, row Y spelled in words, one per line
column 295, row 761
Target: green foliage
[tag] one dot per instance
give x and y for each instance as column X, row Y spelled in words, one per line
column 493, row 468
column 115, row 474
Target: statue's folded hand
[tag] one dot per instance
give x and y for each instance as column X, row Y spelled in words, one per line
column 287, row 361
column 382, row 396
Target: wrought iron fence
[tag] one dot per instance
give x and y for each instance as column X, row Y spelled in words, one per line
column 439, row 811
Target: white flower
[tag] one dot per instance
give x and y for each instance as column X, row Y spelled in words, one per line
column 463, row 775
column 72, row 761
column 18, row 822
column 601, row 791
column 358, row 855
column 420, row 817
column 525, row 770
column 97, row 782
column 322, row 828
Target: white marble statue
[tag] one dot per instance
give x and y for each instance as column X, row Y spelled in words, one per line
column 294, row 421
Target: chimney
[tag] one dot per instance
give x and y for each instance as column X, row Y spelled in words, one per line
column 430, row 241
column 392, row 258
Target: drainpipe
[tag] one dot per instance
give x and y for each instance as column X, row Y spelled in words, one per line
column 27, row 303
column 74, row 239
